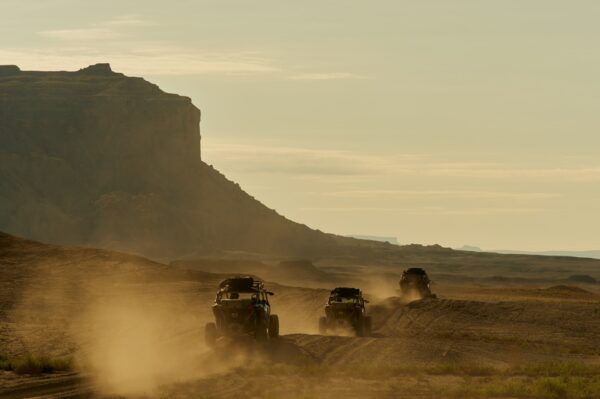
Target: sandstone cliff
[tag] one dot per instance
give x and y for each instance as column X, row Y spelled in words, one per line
column 97, row 158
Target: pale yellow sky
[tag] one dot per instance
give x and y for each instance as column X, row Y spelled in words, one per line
column 451, row 122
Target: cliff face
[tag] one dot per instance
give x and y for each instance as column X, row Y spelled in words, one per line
column 97, row 158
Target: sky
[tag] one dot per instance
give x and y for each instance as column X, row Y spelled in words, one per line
column 451, row 122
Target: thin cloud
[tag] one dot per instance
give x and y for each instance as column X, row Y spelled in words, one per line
column 574, row 174
column 81, row 34
column 326, row 76
column 441, row 193
column 128, row 20
column 130, row 55
column 250, row 158
column 104, row 30
column 426, row 210
column 274, row 159
column 151, row 61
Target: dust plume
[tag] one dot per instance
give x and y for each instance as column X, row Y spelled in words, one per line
column 380, row 286
column 133, row 340
column 131, row 332
column 298, row 308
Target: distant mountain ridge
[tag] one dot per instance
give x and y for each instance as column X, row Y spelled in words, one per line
column 579, row 254
column 391, row 240
column 594, row 254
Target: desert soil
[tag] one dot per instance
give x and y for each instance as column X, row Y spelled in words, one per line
column 134, row 328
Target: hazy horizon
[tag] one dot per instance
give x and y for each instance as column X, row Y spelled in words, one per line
column 462, row 123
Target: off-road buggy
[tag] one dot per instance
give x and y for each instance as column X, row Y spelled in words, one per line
column 415, row 283
column 345, row 309
column 242, row 308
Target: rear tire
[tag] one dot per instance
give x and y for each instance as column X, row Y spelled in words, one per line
column 367, row 331
column 360, row 327
column 262, row 330
column 210, row 334
column 323, row 325
column 273, row 326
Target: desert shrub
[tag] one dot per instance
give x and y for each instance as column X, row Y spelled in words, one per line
column 499, row 388
column 470, row 369
column 528, row 387
column 551, row 387
column 5, row 364
column 550, row 380
column 555, row 369
column 35, row 364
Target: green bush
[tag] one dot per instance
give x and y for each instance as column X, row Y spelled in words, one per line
column 552, row 387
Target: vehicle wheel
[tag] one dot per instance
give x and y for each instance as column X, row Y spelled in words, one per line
column 360, row 327
column 262, row 329
column 210, row 334
column 273, row 326
column 367, row 331
column 323, row 325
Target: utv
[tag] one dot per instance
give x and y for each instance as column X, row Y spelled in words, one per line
column 242, row 308
column 346, row 308
column 415, row 283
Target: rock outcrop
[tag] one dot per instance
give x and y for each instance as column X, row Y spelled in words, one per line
column 97, row 158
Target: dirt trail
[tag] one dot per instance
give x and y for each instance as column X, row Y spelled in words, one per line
column 66, row 385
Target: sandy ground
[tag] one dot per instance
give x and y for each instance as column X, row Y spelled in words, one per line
column 135, row 329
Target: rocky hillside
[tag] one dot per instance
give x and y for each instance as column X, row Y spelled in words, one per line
column 98, row 158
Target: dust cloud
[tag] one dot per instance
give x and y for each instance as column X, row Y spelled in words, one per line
column 133, row 342
column 298, row 308
column 136, row 329
column 379, row 286
column 130, row 332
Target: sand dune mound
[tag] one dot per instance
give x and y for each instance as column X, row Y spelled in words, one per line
column 567, row 290
column 372, row 351
column 526, row 321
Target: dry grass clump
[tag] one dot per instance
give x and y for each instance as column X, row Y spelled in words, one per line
column 529, row 387
column 370, row 372
column 35, row 365
column 556, row 369
column 459, row 380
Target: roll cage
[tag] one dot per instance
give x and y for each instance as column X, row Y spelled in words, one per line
column 242, row 285
column 346, row 295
